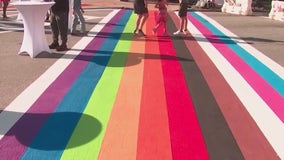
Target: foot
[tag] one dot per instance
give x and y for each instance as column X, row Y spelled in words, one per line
column 140, row 32
column 178, row 33
column 75, row 33
column 53, row 45
column 154, row 30
column 165, row 34
column 62, row 47
column 135, row 31
column 185, row 32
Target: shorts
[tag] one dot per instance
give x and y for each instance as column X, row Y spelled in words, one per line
column 139, row 8
column 182, row 10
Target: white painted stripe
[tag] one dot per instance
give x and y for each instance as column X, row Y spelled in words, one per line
column 268, row 122
column 25, row 100
column 278, row 69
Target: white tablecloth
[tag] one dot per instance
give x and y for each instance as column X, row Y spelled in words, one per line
column 33, row 15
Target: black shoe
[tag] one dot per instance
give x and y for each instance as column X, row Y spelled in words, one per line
column 53, row 45
column 62, row 47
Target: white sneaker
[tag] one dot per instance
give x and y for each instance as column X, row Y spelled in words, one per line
column 178, row 33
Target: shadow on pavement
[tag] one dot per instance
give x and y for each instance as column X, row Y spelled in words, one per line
column 55, row 133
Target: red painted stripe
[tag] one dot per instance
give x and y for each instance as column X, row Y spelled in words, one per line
column 153, row 133
column 247, row 134
column 186, row 136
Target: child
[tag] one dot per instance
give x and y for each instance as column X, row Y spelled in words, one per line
column 162, row 19
column 182, row 16
column 141, row 9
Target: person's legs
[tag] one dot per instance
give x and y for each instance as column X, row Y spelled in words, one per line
column 63, row 30
column 181, row 24
column 156, row 27
column 54, row 31
column 185, row 24
column 138, row 22
column 82, row 22
column 165, row 28
column 142, row 22
column 145, row 17
column 75, row 22
column 5, row 6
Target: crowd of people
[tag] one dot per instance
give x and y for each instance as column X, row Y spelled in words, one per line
column 141, row 9
column 58, row 15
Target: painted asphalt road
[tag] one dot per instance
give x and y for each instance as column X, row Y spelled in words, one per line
column 219, row 97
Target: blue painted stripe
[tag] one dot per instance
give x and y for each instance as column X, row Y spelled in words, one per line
column 54, row 135
column 266, row 73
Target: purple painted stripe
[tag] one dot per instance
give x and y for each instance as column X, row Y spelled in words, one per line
column 22, row 133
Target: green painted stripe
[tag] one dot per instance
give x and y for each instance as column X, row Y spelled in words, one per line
column 102, row 100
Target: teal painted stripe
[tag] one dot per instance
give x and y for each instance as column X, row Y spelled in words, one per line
column 266, row 73
column 52, row 139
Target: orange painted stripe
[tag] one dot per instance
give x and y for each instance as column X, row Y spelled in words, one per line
column 120, row 140
column 153, row 135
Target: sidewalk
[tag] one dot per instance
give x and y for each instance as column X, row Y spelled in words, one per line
column 215, row 94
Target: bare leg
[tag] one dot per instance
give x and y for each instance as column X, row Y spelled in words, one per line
column 181, row 24
column 138, row 22
column 165, row 28
column 145, row 17
column 185, row 24
column 156, row 27
column 5, row 5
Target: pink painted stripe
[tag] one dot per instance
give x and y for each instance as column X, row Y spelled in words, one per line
column 274, row 100
column 186, row 136
column 22, row 133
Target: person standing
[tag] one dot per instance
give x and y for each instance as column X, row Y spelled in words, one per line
column 59, row 24
column 162, row 16
column 5, row 6
column 182, row 13
column 141, row 9
column 78, row 17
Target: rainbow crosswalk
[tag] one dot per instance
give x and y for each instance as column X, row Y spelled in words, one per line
column 119, row 96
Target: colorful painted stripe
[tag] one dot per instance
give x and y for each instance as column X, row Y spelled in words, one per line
column 48, row 137
column 153, row 97
column 257, row 75
column 102, row 99
column 186, row 137
column 47, row 101
column 250, row 143
column 266, row 73
column 122, row 130
column 153, row 132
column 253, row 103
